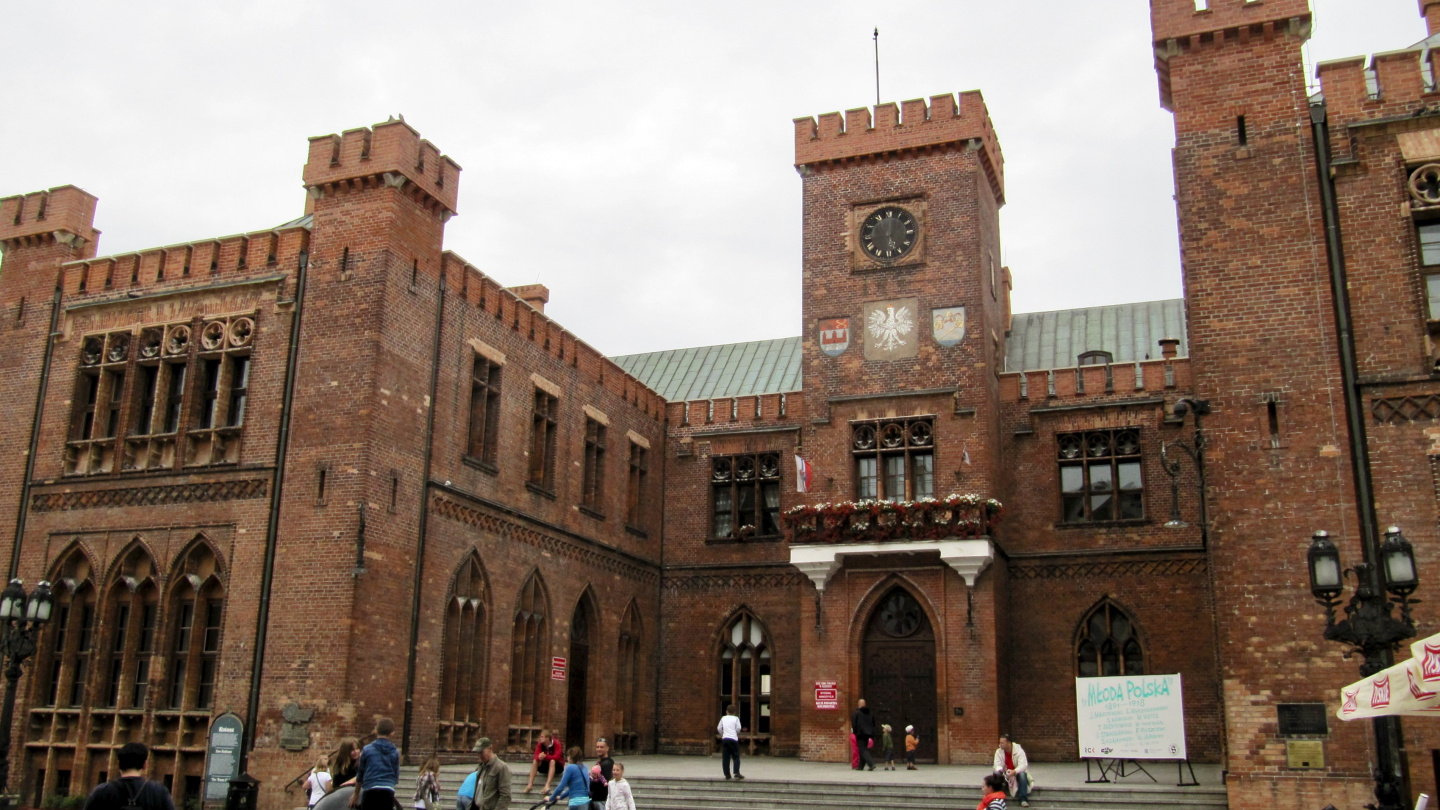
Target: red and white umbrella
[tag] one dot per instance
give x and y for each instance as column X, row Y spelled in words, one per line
column 1407, row 688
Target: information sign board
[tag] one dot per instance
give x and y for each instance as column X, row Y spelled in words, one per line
column 557, row 668
column 222, row 756
column 1130, row 717
column 827, row 696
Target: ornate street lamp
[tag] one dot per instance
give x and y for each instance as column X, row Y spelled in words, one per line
column 23, row 617
column 1195, row 449
column 1370, row 630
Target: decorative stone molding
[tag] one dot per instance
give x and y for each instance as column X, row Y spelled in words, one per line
column 510, row 530
column 1124, row 568
column 743, row 582
column 820, row 562
column 205, row 492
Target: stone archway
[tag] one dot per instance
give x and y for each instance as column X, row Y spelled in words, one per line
column 897, row 669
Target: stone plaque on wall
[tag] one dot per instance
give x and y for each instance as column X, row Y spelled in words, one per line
column 892, row 329
column 1305, row 754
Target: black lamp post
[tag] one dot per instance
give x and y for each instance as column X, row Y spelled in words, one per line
column 22, row 616
column 1195, row 449
column 1370, row 630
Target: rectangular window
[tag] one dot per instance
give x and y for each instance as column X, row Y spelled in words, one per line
column 239, row 391
column 87, row 394
column 180, row 655
column 635, row 498
column 542, row 441
column 207, row 397
column 894, row 459
column 1432, row 289
column 1429, row 235
column 141, row 685
column 484, row 411
column 145, row 390
column 745, row 496
column 1100, row 476
column 113, row 383
column 174, row 395
column 117, row 656
column 209, row 655
column 593, row 485
column 82, row 655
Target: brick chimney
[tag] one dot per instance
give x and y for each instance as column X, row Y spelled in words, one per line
column 1430, row 10
column 538, row 295
column 1169, row 347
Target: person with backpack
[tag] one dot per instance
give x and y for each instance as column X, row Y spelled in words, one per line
column 131, row 791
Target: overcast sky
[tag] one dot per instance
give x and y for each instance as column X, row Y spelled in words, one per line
column 635, row 157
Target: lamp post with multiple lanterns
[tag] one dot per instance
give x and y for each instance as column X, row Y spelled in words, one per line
column 23, row 615
column 1370, row 630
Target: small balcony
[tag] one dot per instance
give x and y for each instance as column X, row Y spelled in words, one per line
column 956, row 526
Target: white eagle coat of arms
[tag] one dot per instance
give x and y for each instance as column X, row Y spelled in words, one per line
column 890, row 327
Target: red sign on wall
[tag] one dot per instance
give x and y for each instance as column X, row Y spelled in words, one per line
column 557, row 668
column 826, row 695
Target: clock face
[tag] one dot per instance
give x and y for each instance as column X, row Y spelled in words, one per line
column 889, row 233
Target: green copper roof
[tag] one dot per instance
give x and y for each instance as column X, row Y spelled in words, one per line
column 710, row 372
column 1037, row 340
column 1129, row 332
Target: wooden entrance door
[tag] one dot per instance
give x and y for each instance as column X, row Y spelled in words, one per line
column 898, row 671
column 579, row 665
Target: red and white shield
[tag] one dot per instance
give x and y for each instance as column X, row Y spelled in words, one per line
column 1430, row 663
column 1415, row 689
column 1350, row 704
column 834, row 335
column 1380, row 692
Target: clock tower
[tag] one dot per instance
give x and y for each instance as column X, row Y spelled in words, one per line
column 905, row 306
column 905, row 302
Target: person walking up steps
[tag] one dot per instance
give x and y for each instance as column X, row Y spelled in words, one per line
column 378, row 771
column 574, row 784
column 729, row 731
column 863, row 724
column 620, row 798
column 318, row 783
column 427, row 785
column 911, row 743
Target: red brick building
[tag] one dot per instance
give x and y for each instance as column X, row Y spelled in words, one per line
column 331, row 471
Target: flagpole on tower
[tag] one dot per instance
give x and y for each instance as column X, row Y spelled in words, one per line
column 877, row 67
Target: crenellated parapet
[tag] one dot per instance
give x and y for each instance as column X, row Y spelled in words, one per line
column 510, row 309
column 1191, row 26
column 1063, row 386
column 65, row 214
column 390, row 154
column 1385, row 84
column 738, row 413
column 893, row 131
column 183, row 266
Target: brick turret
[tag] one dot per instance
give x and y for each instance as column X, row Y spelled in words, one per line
column 1430, row 10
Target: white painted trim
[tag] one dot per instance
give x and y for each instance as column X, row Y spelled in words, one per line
column 819, row 562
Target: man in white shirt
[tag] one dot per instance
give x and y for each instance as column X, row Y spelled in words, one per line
column 729, row 731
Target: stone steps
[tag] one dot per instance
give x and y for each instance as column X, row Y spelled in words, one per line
column 715, row 793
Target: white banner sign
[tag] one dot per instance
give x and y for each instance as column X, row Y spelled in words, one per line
column 1131, row 717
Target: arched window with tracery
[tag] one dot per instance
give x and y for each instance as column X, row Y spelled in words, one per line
column 627, row 682
column 61, row 680
column 197, row 609
column 1108, row 644
column 462, row 678
column 745, row 669
column 132, row 610
column 528, row 671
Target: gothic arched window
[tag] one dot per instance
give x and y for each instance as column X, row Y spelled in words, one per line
column 528, row 674
column 1108, row 644
column 132, row 608
column 462, row 680
column 627, row 682
column 64, row 648
column 196, row 610
column 745, row 667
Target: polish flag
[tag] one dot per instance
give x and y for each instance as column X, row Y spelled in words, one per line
column 803, row 471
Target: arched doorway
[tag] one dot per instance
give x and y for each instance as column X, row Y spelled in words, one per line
column 898, row 670
column 579, row 669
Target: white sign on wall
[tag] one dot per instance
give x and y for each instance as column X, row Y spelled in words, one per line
column 1131, row 717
